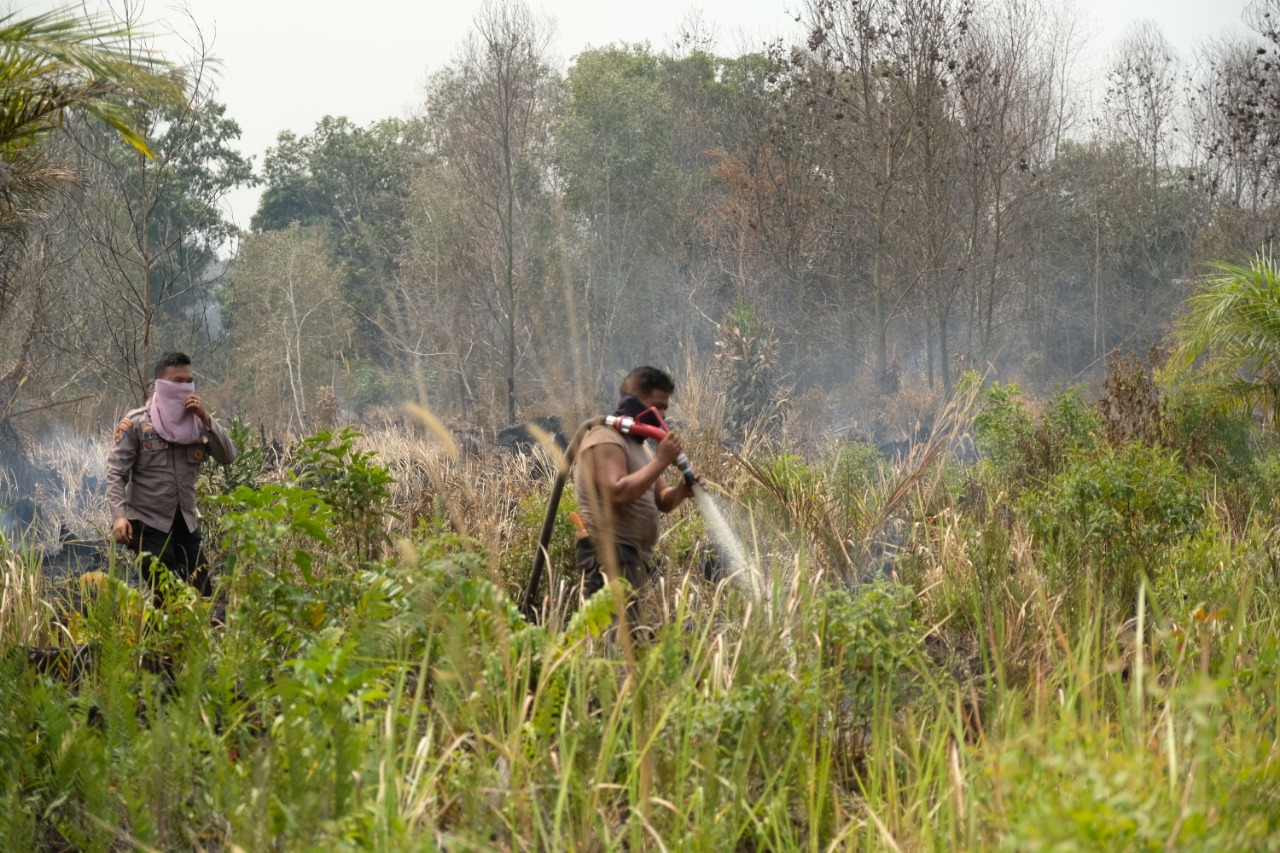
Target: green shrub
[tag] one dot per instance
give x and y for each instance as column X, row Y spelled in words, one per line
column 1070, row 423
column 248, row 469
column 352, row 483
column 748, row 363
column 871, row 646
column 274, row 525
column 1025, row 451
column 1116, row 514
column 854, row 466
column 1206, row 434
column 1002, row 430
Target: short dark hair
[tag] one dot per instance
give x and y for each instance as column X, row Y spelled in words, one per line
column 642, row 380
column 172, row 359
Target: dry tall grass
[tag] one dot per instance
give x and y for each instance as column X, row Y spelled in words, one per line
column 24, row 616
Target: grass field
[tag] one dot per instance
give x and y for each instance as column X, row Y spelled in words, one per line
column 1076, row 646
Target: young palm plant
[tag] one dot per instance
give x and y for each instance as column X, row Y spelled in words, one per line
column 1231, row 333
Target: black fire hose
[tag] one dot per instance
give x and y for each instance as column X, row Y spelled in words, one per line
column 529, row 602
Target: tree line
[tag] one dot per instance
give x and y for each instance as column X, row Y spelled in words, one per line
column 913, row 189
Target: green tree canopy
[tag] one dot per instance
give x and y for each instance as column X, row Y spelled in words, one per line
column 339, row 173
column 614, row 143
column 353, row 181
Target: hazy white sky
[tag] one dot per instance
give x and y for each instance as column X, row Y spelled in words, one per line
column 284, row 64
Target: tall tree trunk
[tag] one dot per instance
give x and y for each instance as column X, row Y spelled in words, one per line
column 928, row 346
column 511, row 273
column 944, row 347
column 878, row 288
column 1098, row 340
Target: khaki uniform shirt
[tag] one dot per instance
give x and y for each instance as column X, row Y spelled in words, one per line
column 149, row 479
column 636, row 524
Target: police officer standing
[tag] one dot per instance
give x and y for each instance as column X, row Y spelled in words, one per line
column 152, row 470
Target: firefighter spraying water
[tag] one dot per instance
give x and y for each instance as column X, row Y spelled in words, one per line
column 620, row 492
column 618, row 479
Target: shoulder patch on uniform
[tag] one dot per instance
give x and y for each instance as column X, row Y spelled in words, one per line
column 122, row 428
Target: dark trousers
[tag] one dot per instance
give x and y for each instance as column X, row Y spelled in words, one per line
column 178, row 550
column 630, row 565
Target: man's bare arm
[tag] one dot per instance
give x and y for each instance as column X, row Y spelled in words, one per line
column 609, row 463
column 669, row 497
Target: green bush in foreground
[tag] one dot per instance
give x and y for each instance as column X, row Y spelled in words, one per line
column 1110, row 519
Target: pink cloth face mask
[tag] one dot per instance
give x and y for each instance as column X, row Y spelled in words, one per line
column 169, row 414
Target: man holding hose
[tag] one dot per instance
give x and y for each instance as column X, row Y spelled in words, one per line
column 620, row 489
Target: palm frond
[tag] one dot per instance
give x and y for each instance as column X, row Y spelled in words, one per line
column 26, row 183
column 1230, row 334
column 847, row 529
column 56, row 62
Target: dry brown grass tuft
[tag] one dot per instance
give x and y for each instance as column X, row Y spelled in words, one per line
column 67, row 497
column 437, row 428
column 478, row 496
column 24, row 619
column 699, row 401
column 899, row 416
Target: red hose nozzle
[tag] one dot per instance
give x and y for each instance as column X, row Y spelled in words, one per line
column 630, row 426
